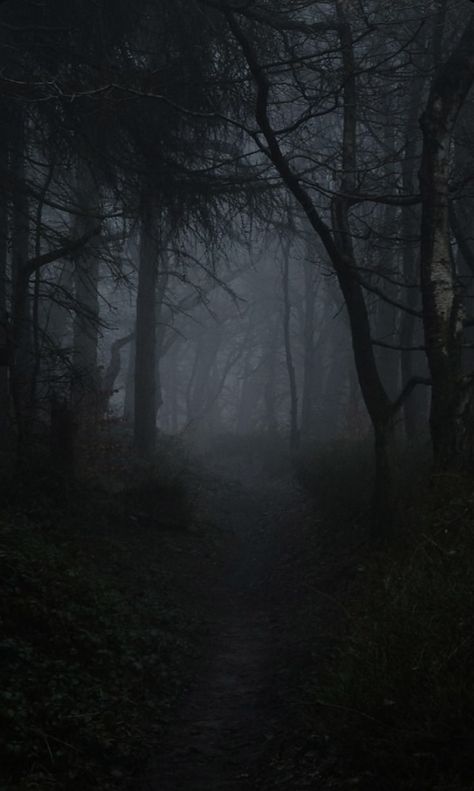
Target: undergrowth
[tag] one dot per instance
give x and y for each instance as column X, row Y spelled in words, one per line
column 396, row 699
column 94, row 647
column 339, row 478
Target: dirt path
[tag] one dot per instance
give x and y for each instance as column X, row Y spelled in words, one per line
column 216, row 738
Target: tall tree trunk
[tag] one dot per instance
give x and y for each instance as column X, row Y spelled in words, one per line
column 337, row 239
column 387, row 319
column 36, row 306
column 208, row 349
column 270, row 377
column 461, row 221
column 309, row 371
column 412, row 363
column 113, row 369
column 443, row 315
column 4, row 339
column 56, row 313
column 86, row 383
column 375, row 396
column 145, row 337
column 129, row 399
column 21, row 361
column 173, row 390
column 248, row 392
column 161, row 325
column 294, row 430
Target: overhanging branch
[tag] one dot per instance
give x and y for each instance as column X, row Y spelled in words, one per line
column 36, row 263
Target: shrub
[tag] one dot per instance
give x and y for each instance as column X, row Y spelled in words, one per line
column 399, row 694
column 91, row 654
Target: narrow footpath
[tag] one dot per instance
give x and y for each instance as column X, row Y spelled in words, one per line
column 218, row 735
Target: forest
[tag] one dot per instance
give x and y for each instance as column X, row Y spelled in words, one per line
column 236, row 395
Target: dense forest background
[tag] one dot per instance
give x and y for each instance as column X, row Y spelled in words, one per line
column 236, row 250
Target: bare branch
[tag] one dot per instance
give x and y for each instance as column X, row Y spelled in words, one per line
column 407, row 391
column 36, row 263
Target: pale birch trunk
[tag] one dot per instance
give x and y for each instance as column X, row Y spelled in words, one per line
column 451, row 410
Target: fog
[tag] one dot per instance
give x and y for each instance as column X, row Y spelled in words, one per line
column 236, row 395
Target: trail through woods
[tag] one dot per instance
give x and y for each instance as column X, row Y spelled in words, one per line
column 218, row 736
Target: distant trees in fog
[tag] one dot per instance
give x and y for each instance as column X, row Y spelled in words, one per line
column 239, row 217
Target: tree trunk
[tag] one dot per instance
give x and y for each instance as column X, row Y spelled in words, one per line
column 246, row 407
column 145, row 338
column 129, row 400
column 442, row 308
column 113, row 370
column 387, row 318
column 173, row 390
column 4, row 340
column 161, row 326
column 338, row 239
column 309, row 372
column 294, row 430
column 270, row 378
column 201, row 393
column 62, row 435
column 86, row 383
column 56, row 315
column 385, row 499
column 21, row 359
column 412, row 362
column 461, row 221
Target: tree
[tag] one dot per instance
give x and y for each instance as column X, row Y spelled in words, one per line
column 443, row 311
column 145, row 335
column 336, row 237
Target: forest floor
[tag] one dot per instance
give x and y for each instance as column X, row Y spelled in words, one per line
column 329, row 661
column 222, row 623
column 231, row 722
column 149, row 611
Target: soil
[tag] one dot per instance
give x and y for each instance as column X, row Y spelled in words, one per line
column 233, row 712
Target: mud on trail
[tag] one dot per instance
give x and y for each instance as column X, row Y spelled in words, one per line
column 217, row 736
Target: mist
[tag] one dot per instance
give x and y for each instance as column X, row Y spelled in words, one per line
column 236, row 395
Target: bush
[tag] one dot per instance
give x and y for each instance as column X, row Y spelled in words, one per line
column 91, row 654
column 398, row 697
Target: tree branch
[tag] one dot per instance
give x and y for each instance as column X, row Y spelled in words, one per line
column 397, row 347
column 36, row 263
column 407, row 391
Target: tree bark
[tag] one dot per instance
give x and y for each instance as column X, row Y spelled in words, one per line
column 145, row 336
column 337, row 239
column 387, row 318
column 270, row 377
column 309, row 361
column 415, row 407
column 206, row 355
column 129, row 401
column 294, row 430
column 4, row 330
column 442, row 308
column 161, row 326
column 173, row 390
column 21, row 358
column 248, row 393
column 113, row 369
column 86, row 383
